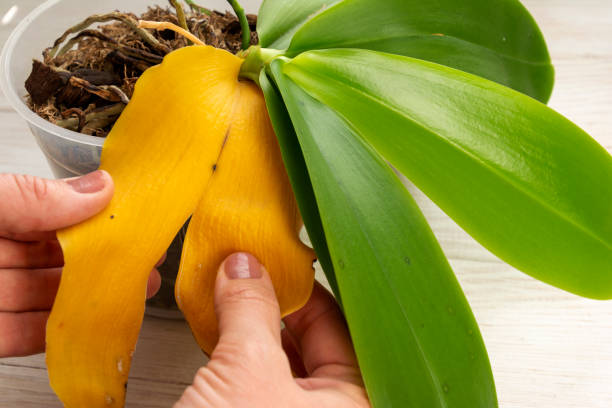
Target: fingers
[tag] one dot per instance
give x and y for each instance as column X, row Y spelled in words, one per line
column 44, row 254
column 26, row 297
column 30, row 203
column 23, row 290
column 154, row 283
column 161, row 260
column 320, row 331
column 155, row 279
column 247, row 312
column 22, row 334
column 31, row 236
column 247, row 367
column 245, row 302
column 293, row 354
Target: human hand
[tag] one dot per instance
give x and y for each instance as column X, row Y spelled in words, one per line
column 31, row 209
column 249, row 367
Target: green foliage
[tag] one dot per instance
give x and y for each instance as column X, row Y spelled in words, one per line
column 407, row 315
column 445, row 91
column 520, row 178
column 298, row 175
column 498, row 40
column 278, row 20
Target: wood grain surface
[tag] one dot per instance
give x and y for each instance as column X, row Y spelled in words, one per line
column 548, row 348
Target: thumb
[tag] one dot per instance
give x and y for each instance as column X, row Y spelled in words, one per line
column 248, row 367
column 246, row 305
column 30, row 203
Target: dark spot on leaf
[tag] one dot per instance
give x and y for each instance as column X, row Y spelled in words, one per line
column 445, row 387
column 214, row 167
column 112, row 216
column 341, row 263
column 407, row 260
column 422, row 325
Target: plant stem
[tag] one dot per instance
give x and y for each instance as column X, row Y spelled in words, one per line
column 255, row 59
column 180, row 14
column 199, row 8
column 244, row 24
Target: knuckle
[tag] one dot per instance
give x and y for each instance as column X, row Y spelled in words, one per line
column 251, row 356
column 227, row 367
column 28, row 201
column 228, row 354
column 258, row 351
column 203, row 373
column 236, row 369
column 204, row 376
column 193, row 396
column 30, row 188
column 250, row 295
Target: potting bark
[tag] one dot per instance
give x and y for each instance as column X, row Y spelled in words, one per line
column 79, row 88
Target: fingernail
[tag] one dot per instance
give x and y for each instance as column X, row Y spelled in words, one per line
column 242, row 266
column 89, row 183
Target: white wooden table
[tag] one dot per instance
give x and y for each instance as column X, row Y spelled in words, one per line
column 549, row 349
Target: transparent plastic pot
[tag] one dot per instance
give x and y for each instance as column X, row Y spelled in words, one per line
column 70, row 153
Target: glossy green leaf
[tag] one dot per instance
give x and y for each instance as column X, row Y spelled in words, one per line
column 524, row 181
column 279, row 19
column 498, row 40
column 298, row 176
column 416, row 339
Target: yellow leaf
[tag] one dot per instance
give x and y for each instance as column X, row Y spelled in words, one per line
column 160, row 154
column 248, row 205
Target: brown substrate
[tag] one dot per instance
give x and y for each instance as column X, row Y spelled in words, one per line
column 83, row 83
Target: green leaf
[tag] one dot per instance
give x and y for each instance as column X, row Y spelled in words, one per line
column 298, row 176
column 416, row 339
column 279, row 19
column 524, row 181
column 498, row 40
